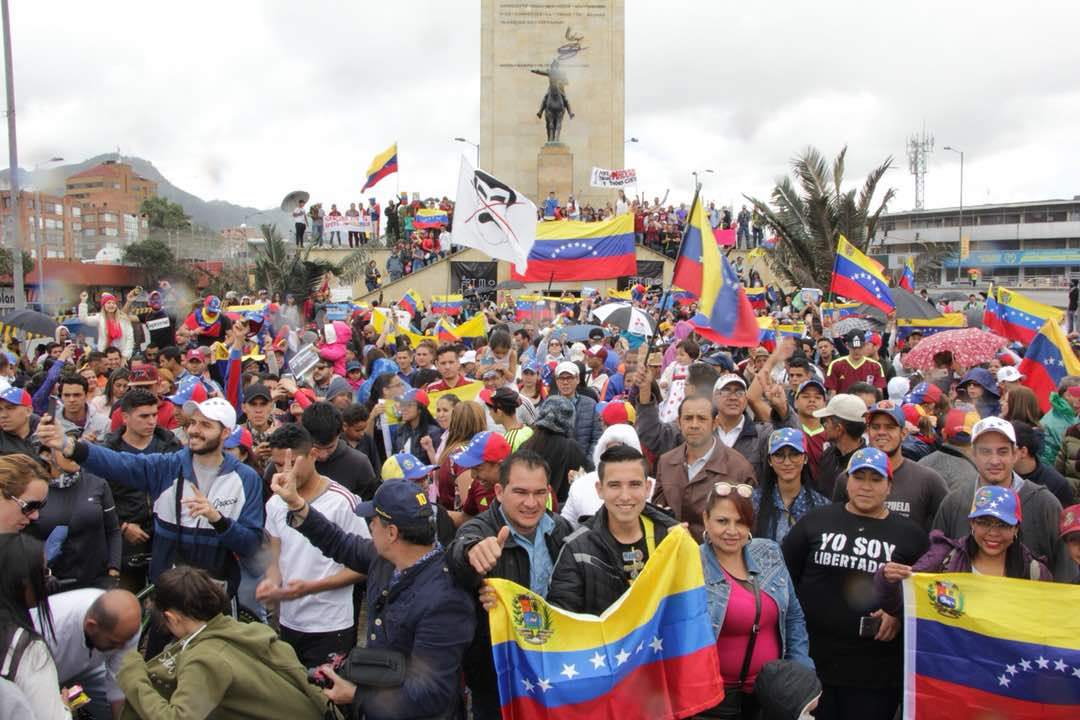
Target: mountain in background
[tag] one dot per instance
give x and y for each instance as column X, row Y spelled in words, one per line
column 213, row 214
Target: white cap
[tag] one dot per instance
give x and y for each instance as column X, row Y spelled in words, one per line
column 844, row 406
column 215, row 408
column 993, row 425
column 566, row 367
column 469, row 356
column 1009, row 374
column 725, row 380
column 898, row 388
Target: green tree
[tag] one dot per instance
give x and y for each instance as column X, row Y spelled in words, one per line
column 279, row 270
column 156, row 261
column 164, row 214
column 6, row 263
column 810, row 212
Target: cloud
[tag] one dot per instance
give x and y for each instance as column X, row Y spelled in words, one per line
column 247, row 100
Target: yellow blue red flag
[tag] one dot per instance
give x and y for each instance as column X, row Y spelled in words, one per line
column 652, row 655
column 474, row 327
column 859, row 278
column 928, row 327
column 980, row 647
column 1015, row 316
column 385, row 163
column 447, row 304
column 907, row 280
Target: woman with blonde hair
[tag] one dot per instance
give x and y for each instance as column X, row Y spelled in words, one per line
column 24, row 489
column 467, row 419
column 113, row 324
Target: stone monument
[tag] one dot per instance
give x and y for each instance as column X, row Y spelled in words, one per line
column 579, row 47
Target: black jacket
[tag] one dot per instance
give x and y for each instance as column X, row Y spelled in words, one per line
column 588, row 575
column 14, row 445
column 513, row 565
column 133, row 506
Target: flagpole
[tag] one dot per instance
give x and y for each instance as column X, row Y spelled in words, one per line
column 690, row 220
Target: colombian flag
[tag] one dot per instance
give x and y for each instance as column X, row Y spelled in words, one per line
column 857, row 277
column 948, row 321
column 385, row 163
column 444, row 331
column 447, row 304
column 757, row 298
column 1048, row 359
column 907, row 280
column 573, row 250
column 411, row 303
column 430, row 218
column 651, row 656
column 978, row 647
column 1015, row 316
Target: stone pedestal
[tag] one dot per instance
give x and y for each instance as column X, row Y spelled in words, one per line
column 554, row 171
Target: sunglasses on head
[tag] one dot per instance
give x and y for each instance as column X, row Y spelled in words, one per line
column 723, row 489
column 27, row 507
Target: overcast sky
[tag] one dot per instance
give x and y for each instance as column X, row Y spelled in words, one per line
column 244, row 101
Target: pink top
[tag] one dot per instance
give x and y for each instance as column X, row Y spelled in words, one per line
column 735, row 634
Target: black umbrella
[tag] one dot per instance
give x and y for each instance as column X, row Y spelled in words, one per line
column 952, row 296
column 908, row 307
column 31, row 321
column 510, row 285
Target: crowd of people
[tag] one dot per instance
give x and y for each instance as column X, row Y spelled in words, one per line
column 355, row 511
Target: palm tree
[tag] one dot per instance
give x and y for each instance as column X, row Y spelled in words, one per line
column 279, row 270
column 811, row 212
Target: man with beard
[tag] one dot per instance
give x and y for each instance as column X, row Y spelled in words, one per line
column 207, row 504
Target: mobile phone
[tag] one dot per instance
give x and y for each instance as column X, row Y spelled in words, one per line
column 52, row 407
column 76, row 697
column 869, row 626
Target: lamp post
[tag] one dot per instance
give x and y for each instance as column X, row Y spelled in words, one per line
column 13, row 163
column 960, row 232
column 475, row 145
column 695, row 174
column 630, row 140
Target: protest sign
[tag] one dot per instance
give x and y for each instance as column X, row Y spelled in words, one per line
column 303, row 361
column 612, row 178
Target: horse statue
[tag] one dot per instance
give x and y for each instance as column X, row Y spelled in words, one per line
column 554, row 102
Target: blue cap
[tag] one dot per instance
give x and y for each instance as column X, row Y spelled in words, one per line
column 398, row 502
column 353, row 365
column 816, row 383
column 533, row 367
column 485, row 447
column 787, row 437
column 239, row 436
column 405, row 466
column 16, row 396
column 888, row 407
column 999, row 502
column 870, row 458
column 190, row 389
column 415, row 395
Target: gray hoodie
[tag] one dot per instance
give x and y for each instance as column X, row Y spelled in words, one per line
column 1038, row 527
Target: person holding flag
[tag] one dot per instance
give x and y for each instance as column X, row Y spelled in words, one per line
column 907, row 280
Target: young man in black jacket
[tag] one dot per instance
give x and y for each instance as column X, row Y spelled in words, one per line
column 517, row 539
column 600, row 561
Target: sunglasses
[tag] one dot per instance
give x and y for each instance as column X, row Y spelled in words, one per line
column 27, row 507
column 723, row 489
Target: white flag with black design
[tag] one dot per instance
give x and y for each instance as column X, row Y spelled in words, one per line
column 493, row 217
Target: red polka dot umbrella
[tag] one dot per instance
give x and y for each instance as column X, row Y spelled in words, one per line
column 969, row 347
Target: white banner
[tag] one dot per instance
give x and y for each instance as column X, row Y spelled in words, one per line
column 612, row 178
column 345, row 224
column 493, row 217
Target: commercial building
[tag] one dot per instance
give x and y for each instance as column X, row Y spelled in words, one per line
column 110, row 195
column 50, row 223
column 1033, row 244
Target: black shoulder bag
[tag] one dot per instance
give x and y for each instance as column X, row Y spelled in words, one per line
column 738, row 690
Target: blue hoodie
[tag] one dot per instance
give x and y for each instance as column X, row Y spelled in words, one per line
column 236, row 493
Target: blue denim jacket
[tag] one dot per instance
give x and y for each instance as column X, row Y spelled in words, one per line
column 764, row 560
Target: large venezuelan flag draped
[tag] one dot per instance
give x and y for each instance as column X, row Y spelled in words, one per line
column 986, row 648
column 651, row 656
column 1047, row 360
column 572, row 250
column 447, row 304
column 859, row 278
column 1016, row 316
column 385, row 163
column 948, row 321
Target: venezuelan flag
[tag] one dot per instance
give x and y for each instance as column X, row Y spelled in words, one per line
column 531, row 307
column 411, row 303
column 651, row 655
column 447, row 304
column 574, row 250
column 1016, row 316
column 770, row 243
column 980, row 647
column 757, row 298
column 907, row 280
column 445, row 331
column 1048, row 359
column 857, row 277
column 430, row 218
column 723, row 302
column 948, row 321
column 627, row 295
column 385, row 163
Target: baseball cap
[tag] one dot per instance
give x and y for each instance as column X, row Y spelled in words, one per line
column 257, row 390
column 844, row 406
column 596, row 333
column 855, row 340
column 887, row 407
column 897, row 388
column 503, row 396
column 761, row 352
column 532, row 367
column 959, row 424
column 870, row 458
column 143, row 374
column 618, row 412
column 991, row 425
column 816, row 383
column 195, row 354
column 485, row 447
column 925, row 392
column 724, row 380
column 597, row 351
column 998, row 502
column 404, row 466
column 490, row 374
column 1009, row 374
column 1070, row 520
column 216, row 408
column 415, row 395
column 787, row 437
column 16, row 396
column 469, row 356
column 566, row 367
column 398, row 502
column 212, row 304
column 240, row 437
column 190, row 389
column 353, row 365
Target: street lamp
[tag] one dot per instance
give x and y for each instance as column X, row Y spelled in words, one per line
column 695, row 174
column 960, row 231
column 475, row 145
column 631, row 140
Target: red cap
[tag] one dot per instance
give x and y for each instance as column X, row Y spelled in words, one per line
column 1074, row 391
column 1070, row 520
column 958, row 422
column 618, row 412
column 195, row 354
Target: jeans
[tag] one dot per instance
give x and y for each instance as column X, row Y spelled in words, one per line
column 855, row 703
column 301, row 228
column 335, row 235
column 742, row 237
column 314, row 649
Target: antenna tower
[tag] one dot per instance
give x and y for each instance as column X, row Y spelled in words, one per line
column 919, row 148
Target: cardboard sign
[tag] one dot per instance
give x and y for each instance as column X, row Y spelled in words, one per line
column 303, row 361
